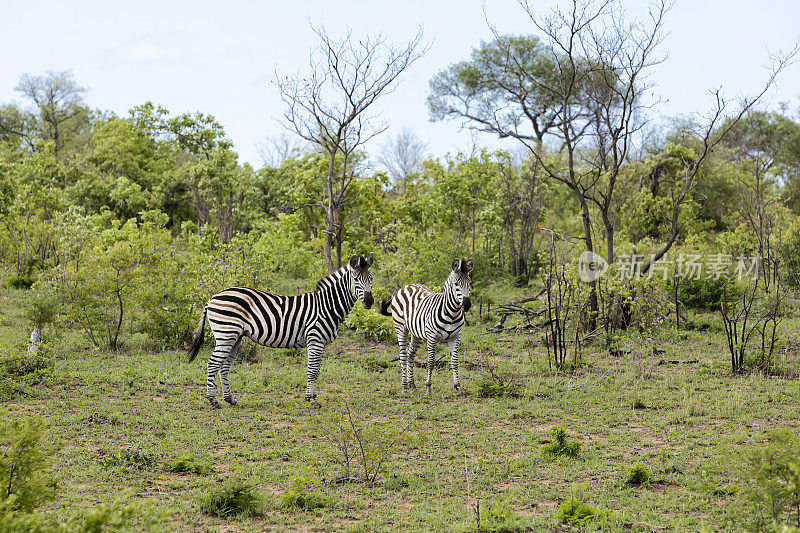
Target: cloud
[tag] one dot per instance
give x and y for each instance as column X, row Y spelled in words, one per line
column 146, row 52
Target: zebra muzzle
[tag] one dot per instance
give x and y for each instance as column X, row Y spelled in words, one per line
column 467, row 304
column 367, row 300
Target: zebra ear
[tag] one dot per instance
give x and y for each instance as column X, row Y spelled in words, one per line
column 469, row 265
column 456, row 265
column 354, row 261
column 369, row 260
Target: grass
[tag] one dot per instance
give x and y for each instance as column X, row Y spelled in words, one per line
column 689, row 420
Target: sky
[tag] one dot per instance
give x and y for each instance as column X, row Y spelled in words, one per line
column 200, row 56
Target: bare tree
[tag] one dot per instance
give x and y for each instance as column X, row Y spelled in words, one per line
column 274, row 150
column 597, row 102
column 402, row 155
column 328, row 108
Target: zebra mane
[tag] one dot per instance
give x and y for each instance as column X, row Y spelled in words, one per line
column 331, row 279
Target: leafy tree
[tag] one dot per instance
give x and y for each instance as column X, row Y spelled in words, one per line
column 61, row 115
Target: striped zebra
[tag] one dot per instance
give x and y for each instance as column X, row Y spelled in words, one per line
column 432, row 317
column 311, row 320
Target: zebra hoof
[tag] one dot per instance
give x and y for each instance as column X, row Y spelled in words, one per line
column 460, row 393
column 231, row 401
column 214, row 403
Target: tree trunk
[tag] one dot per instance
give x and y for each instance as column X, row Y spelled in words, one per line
column 587, row 230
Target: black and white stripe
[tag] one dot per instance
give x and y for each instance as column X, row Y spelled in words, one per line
column 311, row 320
column 431, row 316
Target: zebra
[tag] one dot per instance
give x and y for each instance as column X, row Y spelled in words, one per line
column 432, row 317
column 311, row 320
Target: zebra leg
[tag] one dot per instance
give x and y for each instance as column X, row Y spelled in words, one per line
column 226, row 366
column 452, row 345
column 402, row 340
column 221, row 350
column 416, row 342
column 315, row 352
column 431, row 341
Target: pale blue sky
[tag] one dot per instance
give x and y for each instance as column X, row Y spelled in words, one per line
column 220, row 57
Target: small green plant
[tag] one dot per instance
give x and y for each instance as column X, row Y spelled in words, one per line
column 575, row 512
column 637, row 475
column 373, row 362
column 299, row 496
column 561, row 445
column 396, row 482
column 498, row 517
column 187, row 465
column 638, row 404
column 234, row 498
column 23, row 457
column 499, row 383
column 132, row 459
column 361, row 449
column 489, row 388
column 770, row 484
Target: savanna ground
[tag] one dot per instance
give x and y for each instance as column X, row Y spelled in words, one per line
column 688, row 423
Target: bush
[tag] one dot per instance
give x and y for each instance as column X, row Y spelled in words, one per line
column 132, row 458
column 493, row 388
column 19, row 363
column 187, row 465
column 299, row 497
column 374, row 326
column 359, row 448
column 638, row 474
column 234, row 498
column 561, row 445
column 575, row 512
column 498, row 517
column 701, row 293
column 770, row 485
column 21, row 373
column 23, row 486
column 42, row 310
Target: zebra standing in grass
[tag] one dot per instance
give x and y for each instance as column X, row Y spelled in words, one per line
column 432, row 317
column 311, row 320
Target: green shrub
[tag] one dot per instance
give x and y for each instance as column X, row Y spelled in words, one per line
column 575, row 512
column 396, row 482
column 498, row 517
column 299, row 497
column 770, row 484
column 491, row 388
column 187, row 465
column 23, row 485
column 132, row 458
column 360, row 448
column 561, row 445
column 117, row 516
column 701, row 293
column 234, row 498
column 17, row 362
column 42, row 310
column 373, row 325
column 638, row 474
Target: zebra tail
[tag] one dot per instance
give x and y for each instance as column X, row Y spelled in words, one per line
column 385, row 307
column 198, row 337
